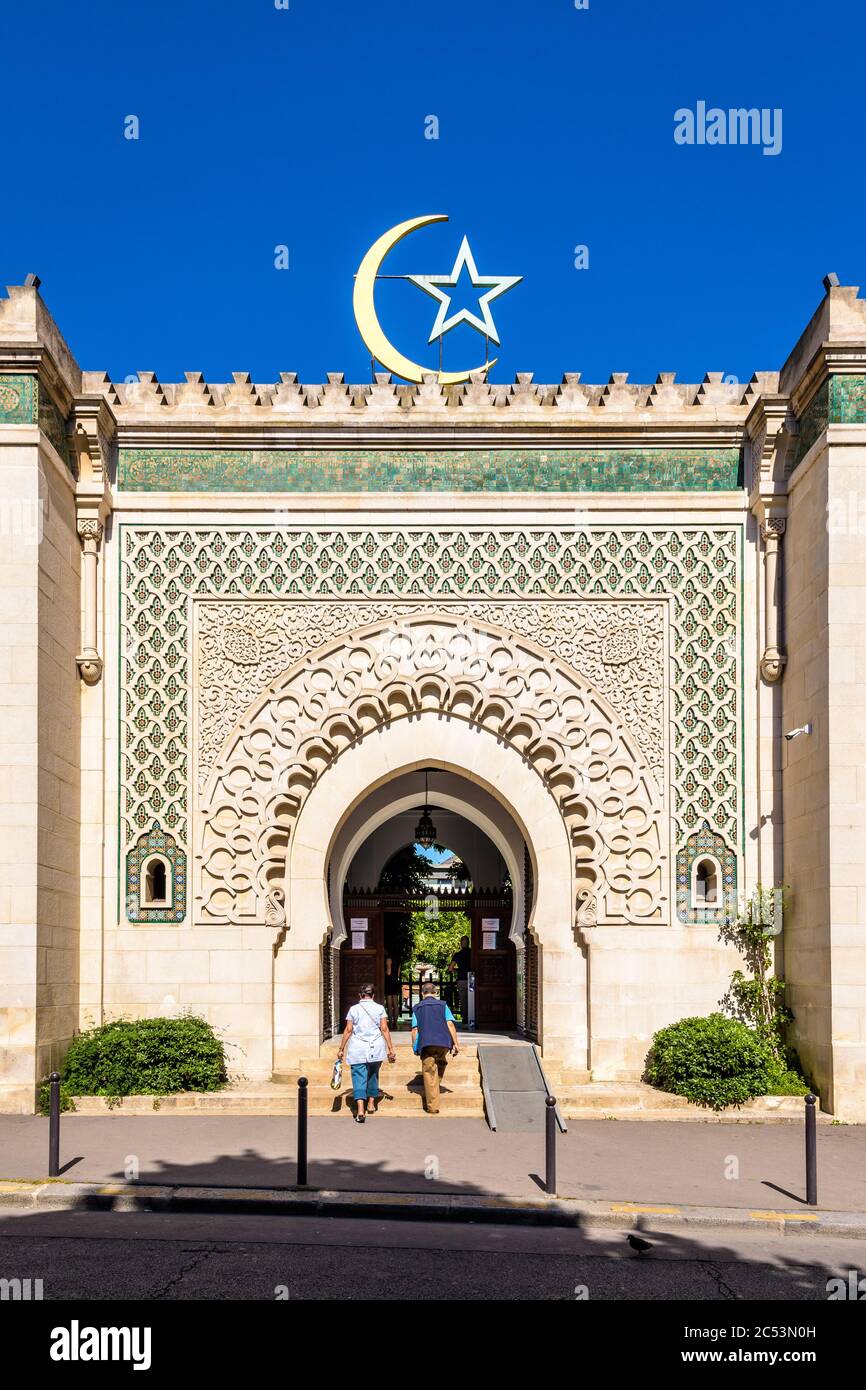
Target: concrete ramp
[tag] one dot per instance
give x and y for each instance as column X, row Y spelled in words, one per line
column 515, row 1087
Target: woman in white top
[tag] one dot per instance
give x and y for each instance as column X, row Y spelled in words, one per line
column 365, row 1043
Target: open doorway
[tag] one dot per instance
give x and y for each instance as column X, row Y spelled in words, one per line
column 441, row 911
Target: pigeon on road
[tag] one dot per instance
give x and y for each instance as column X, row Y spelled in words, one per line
column 641, row 1246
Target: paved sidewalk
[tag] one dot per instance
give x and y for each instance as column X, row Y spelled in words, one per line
column 597, row 1160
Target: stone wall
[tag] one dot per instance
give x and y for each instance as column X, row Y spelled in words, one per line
column 19, row 770
column 39, row 777
column 824, row 774
column 846, row 730
column 59, row 775
column 805, row 772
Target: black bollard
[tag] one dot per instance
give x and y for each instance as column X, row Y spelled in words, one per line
column 54, row 1125
column 550, row 1146
column 811, row 1152
column 302, row 1131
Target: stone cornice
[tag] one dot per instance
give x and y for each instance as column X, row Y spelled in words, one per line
column 421, row 434
column 200, row 414
column 829, row 360
column 36, row 359
column 771, row 430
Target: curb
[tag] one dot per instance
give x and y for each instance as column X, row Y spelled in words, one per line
column 58, row 1195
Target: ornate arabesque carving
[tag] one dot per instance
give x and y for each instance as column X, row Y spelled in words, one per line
column 619, row 647
column 397, row 669
column 524, row 570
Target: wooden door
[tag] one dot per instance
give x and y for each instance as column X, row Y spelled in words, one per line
column 495, row 966
column 361, row 965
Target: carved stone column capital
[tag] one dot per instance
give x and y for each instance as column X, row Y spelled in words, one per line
column 90, row 529
column 586, row 917
column 773, row 529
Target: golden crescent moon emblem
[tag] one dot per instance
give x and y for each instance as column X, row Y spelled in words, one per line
column 369, row 327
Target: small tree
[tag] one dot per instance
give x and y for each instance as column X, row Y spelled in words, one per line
column 405, row 872
column 436, row 939
column 754, row 995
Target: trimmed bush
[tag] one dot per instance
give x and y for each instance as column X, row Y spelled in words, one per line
column 786, row 1078
column 714, row 1061
column 145, row 1056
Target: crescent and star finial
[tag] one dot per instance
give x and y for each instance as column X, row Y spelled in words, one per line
column 367, row 319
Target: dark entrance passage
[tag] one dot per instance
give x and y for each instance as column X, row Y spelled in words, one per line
column 371, row 920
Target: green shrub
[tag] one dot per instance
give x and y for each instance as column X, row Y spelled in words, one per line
column 66, row 1101
column 714, row 1061
column 146, row 1056
column 786, row 1078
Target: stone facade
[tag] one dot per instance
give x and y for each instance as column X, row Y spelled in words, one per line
column 245, row 616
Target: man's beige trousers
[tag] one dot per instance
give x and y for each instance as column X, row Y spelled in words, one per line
column 433, row 1063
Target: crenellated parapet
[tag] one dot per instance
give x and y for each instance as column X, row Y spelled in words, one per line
column 716, row 398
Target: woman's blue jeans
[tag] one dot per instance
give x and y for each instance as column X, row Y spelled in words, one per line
column 365, row 1080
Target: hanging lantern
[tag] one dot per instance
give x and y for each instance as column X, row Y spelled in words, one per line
column 425, row 830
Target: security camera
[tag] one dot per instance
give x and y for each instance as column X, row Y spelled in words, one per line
column 795, row 733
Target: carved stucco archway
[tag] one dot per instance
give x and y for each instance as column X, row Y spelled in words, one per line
column 502, row 773
column 467, row 674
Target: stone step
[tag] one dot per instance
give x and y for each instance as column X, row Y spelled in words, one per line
column 321, row 1076
column 693, row 1114
column 561, row 1077
column 403, row 1106
column 597, row 1096
column 596, row 1101
column 410, row 1082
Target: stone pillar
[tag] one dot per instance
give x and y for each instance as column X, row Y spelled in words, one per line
column 40, row 767
column 89, row 661
column 773, row 660
column 19, row 769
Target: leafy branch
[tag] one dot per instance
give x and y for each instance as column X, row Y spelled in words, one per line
column 755, row 996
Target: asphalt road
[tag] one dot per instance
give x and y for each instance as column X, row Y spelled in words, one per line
column 170, row 1257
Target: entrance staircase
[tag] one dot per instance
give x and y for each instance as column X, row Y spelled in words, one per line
column 400, row 1084
column 402, row 1088
column 578, row 1097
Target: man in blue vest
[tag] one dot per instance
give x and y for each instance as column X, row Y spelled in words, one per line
column 433, row 1037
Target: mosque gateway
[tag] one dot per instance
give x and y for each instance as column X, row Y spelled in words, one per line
column 252, row 630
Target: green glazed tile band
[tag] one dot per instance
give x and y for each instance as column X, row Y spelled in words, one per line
column 427, row 470
column 840, row 400
column 18, row 400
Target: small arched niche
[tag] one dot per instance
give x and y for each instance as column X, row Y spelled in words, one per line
column 156, row 882
column 706, row 882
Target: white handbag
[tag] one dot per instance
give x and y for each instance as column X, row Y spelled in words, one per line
column 337, row 1075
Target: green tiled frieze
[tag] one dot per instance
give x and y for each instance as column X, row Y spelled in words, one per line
column 18, row 400
column 53, row 426
column 840, row 400
column 22, row 403
column 848, row 400
column 423, row 470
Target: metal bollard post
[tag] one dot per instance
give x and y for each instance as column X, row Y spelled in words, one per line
column 550, row 1146
column 811, row 1152
column 302, row 1131
column 54, row 1125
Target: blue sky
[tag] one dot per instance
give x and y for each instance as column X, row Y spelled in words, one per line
column 305, row 127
